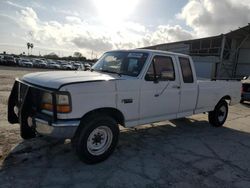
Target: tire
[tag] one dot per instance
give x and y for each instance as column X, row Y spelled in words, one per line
column 96, row 139
column 241, row 101
column 218, row 117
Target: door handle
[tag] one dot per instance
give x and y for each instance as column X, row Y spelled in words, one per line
column 176, row 86
column 126, row 101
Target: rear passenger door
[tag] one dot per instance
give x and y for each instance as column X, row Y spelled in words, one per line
column 189, row 89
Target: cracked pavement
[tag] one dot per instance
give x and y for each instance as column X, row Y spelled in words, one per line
column 186, row 152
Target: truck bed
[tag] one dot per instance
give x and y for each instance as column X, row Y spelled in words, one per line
column 209, row 92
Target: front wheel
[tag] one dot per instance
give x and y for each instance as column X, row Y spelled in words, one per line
column 218, row 117
column 96, row 139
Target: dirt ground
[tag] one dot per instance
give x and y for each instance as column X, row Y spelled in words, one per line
column 181, row 153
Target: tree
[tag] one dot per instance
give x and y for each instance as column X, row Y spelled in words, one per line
column 31, row 47
column 28, row 46
column 77, row 54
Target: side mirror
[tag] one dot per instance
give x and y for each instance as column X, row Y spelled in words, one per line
column 156, row 80
column 151, row 77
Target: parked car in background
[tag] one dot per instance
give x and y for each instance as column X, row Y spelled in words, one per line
column 66, row 65
column 40, row 63
column 53, row 65
column 9, row 60
column 17, row 59
column 245, row 91
column 87, row 66
column 77, row 65
column 25, row 63
column 1, row 59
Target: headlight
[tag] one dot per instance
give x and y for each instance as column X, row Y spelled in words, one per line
column 47, row 98
column 62, row 103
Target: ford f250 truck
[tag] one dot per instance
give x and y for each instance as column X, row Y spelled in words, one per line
column 124, row 87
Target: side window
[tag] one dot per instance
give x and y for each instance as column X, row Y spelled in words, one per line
column 186, row 70
column 161, row 69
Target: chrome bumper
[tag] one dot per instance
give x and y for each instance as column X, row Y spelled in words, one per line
column 60, row 129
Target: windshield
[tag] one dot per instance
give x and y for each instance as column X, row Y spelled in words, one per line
column 124, row 63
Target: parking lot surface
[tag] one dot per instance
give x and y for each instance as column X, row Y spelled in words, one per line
column 180, row 153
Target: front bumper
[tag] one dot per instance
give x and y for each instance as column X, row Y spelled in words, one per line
column 25, row 98
column 59, row 129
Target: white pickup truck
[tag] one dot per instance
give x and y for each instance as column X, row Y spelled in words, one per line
column 124, row 87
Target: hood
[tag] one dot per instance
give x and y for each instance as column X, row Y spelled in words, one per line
column 54, row 79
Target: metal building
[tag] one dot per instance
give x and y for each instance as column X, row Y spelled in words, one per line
column 223, row 56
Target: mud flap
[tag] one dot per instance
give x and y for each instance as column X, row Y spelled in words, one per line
column 12, row 102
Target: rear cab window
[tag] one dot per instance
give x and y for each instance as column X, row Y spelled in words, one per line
column 186, row 70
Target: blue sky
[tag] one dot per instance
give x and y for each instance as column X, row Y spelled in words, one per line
column 66, row 26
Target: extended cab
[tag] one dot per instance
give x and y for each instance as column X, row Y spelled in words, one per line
column 127, row 88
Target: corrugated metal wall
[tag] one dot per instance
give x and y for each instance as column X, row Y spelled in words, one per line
column 205, row 66
column 243, row 66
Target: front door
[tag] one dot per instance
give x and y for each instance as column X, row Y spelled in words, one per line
column 160, row 90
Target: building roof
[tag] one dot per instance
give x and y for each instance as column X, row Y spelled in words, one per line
column 238, row 33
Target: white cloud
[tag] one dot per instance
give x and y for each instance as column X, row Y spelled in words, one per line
column 135, row 27
column 14, row 4
column 212, row 17
column 204, row 18
column 66, row 12
column 96, row 44
column 73, row 19
column 76, row 34
column 167, row 33
column 8, row 19
column 29, row 17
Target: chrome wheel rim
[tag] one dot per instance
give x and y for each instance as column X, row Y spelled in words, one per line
column 99, row 140
column 222, row 113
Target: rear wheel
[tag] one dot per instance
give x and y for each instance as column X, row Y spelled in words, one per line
column 218, row 117
column 96, row 139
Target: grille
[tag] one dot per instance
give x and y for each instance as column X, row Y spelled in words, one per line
column 33, row 97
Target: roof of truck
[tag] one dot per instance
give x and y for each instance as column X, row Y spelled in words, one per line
column 150, row 51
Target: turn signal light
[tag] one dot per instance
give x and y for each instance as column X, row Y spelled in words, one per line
column 59, row 108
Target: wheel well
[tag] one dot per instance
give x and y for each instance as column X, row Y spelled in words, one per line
column 112, row 112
